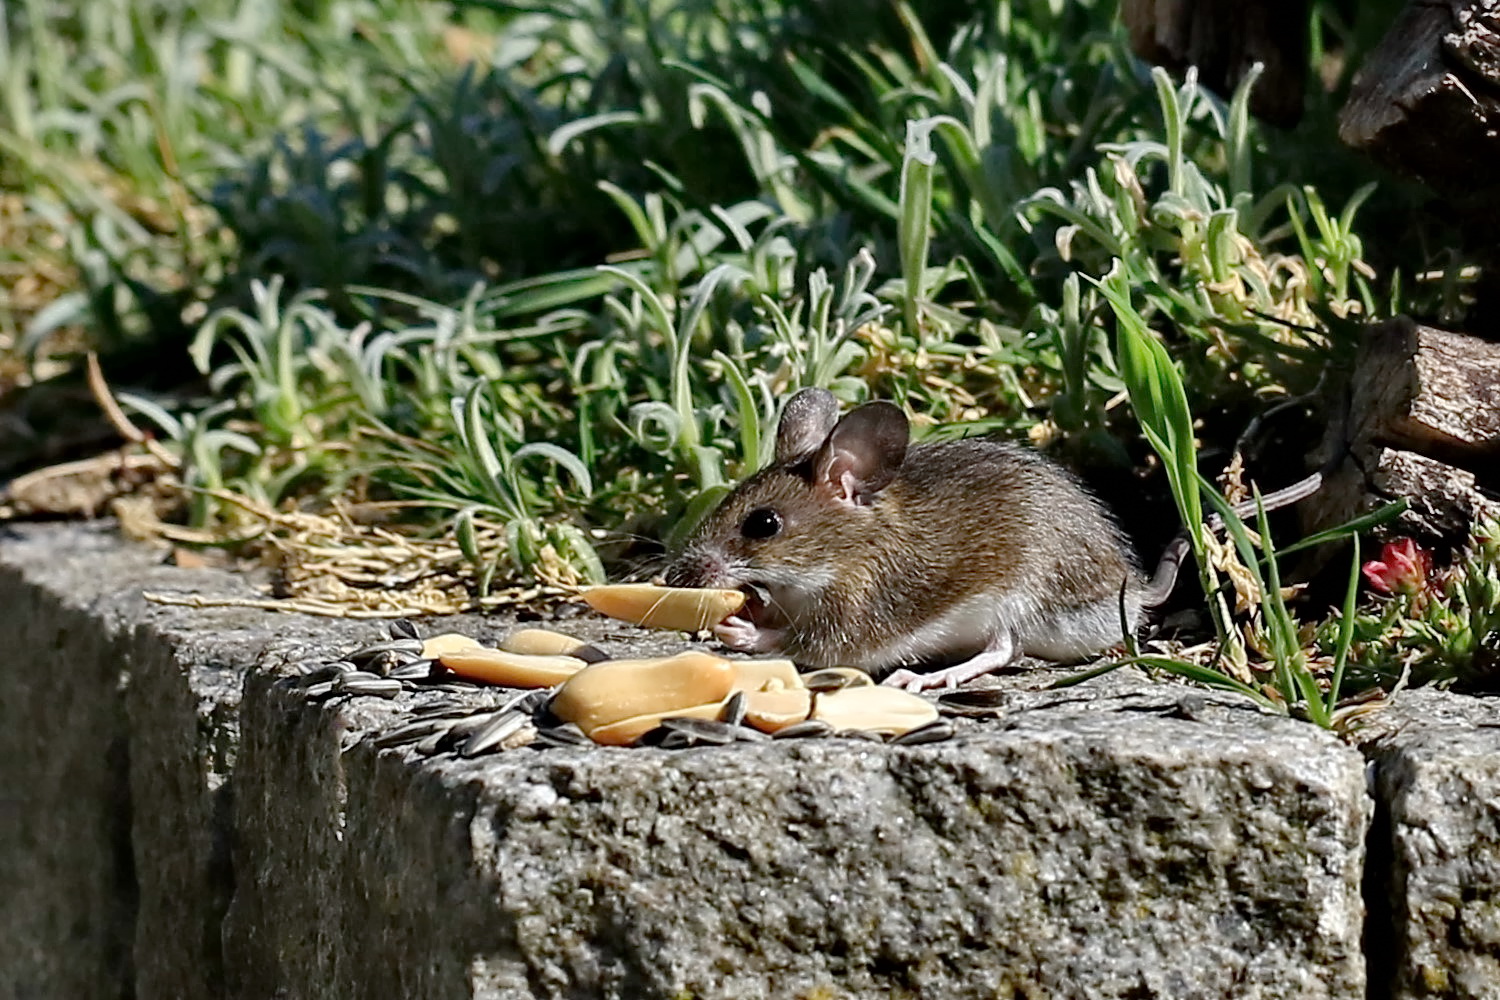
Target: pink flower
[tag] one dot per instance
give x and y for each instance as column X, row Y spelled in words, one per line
column 1403, row 568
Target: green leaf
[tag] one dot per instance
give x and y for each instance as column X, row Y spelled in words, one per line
column 557, row 456
column 1206, row 677
column 1351, row 528
column 476, row 434
column 565, row 134
column 466, row 536
column 914, row 230
column 1346, row 630
column 746, row 412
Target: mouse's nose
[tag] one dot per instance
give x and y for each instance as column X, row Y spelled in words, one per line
column 696, row 568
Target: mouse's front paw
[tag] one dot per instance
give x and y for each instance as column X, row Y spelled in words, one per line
column 744, row 636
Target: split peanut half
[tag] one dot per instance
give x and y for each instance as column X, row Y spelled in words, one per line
column 495, row 666
column 762, row 675
column 687, row 609
column 447, row 642
column 627, row 731
column 770, row 711
column 614, row 690
column 545, row 642
column 885, row 710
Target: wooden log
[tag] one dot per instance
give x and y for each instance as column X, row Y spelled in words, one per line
column 1223, row 39
column 1427, row 100
column 1442, row 502
column 1422, row 423
column 1428, row 390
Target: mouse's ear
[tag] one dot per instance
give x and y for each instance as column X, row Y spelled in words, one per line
column 806, row 421
column 863, row 453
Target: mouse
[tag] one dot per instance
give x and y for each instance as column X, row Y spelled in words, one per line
column 927, row 564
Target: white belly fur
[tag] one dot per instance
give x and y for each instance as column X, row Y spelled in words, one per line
column 1078, row 632
column 975, row 624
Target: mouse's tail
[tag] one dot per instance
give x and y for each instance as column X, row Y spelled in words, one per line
column 1164, row 580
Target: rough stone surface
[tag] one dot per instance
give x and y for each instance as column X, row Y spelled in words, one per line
column 1438, row 781
column 1083, row 844
column 66, row 877
column 179, row 822
column 118, row 740
column 118, row 732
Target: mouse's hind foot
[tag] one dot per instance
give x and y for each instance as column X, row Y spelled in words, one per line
column 1000, row 655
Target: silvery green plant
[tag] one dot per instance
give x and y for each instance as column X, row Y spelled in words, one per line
column 1427, row 626
column 377, row 225
column 1287, row 680
column 1199, row 245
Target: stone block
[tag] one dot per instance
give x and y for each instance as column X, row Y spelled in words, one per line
column 1093, row 844
column 1437, row 844
column 179, row 822
column 67, row 878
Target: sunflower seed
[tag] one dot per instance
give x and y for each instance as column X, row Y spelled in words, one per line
column 443, row 707
column 382, row 656
column 933, row 732
column 680, row 732
column 531, row 701
column 417, row 670
column 501, row 726
column 432, row 744
column 455, row 736
column 343, row 666
column 812, row 729
column 745, row 734
column 354, row 677
column 319, row 690
column 403, row 644
column 410, row 732
column 566, row 735
column 468, row 726
column 452, row 686
column 973, row 701
column 734, row 709
column 326, row 672
column 835, row 679
column 461, row 733
column 671, row 740
column 361, row 683
column 705, row 730
column 402, row 628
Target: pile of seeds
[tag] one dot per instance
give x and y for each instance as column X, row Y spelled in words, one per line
column 688, row 700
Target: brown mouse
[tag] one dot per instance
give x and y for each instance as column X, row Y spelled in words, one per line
column 857, row 548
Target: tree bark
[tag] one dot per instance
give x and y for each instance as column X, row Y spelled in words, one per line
column 1422, row 423
column 1427, row 101
column 1224, row 38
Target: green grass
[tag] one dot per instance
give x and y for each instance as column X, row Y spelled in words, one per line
column 549, row 268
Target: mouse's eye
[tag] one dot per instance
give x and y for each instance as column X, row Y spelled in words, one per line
column 762, row 522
